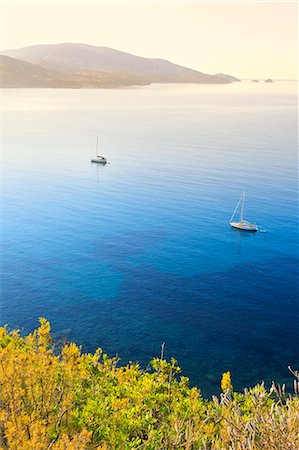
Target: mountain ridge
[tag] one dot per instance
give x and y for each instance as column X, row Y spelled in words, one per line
column 16, row 73
column 88, row 63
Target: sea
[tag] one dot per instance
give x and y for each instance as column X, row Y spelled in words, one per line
column 139, row 252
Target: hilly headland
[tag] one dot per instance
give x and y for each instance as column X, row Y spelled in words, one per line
column 71, row 65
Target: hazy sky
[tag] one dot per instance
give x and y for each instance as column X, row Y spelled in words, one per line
column 246, row 39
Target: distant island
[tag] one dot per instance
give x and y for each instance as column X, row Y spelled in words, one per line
column 269, row 80
column 86, row 66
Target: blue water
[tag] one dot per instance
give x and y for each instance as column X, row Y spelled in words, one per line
column 139, row 252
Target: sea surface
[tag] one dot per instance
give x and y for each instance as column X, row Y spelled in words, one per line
column 139, row 252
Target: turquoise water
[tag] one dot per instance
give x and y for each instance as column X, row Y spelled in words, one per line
column 139, row 252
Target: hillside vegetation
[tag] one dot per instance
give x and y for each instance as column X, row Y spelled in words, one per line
column 16, row 73
column 63, row 399
column 87, row 66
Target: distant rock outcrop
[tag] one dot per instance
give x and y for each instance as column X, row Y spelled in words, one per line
column 255, row 81
column 269, row 80
column 85, row 65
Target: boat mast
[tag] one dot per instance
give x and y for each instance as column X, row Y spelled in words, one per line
column 243, row 203
column 97, row 145
column 236, row 209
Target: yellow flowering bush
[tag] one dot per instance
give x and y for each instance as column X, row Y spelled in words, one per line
column 68, row 400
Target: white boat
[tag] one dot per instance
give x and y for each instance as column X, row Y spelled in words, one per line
column 98, row 158
column 242, row 224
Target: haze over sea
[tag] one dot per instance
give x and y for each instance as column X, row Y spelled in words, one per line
column 140, row 252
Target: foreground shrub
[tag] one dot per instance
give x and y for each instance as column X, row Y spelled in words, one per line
column 68, row 400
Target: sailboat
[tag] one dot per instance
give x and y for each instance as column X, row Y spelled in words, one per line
column 242, row 224
column 98, row 159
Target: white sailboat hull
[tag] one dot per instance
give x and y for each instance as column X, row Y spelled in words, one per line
column 99, row 160
column 244, row 225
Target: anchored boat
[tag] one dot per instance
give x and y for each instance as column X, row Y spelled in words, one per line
column 98, row 158
column 242, row 224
